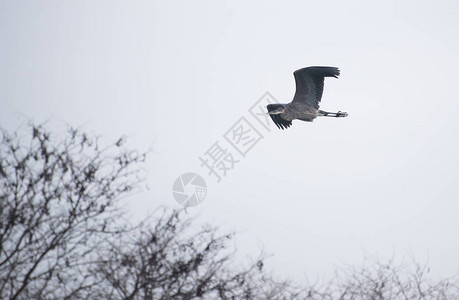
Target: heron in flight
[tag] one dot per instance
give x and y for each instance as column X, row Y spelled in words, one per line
column 305, row 103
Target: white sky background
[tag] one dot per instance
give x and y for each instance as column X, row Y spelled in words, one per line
column 177, row 75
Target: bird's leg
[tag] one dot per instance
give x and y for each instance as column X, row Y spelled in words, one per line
column 338, row 114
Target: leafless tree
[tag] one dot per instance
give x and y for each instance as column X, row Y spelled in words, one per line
column 170, row 261
column 62, row 237
column 57, row 205
column 387, row 280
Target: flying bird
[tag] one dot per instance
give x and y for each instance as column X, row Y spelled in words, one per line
column 305, row 103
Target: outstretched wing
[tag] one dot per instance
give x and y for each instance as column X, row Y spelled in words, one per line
column 310, row 84
column 277, row 119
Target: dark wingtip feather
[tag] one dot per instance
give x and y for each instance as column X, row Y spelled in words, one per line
column 321, row 71
column 281, row 123
column 277, row 119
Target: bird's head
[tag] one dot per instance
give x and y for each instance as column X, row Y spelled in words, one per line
column 275, row 109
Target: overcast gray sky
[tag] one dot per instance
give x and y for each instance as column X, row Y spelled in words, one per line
column 177, row 75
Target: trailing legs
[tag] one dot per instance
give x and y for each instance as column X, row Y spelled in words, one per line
column 339, row 114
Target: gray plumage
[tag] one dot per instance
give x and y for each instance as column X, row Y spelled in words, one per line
column 305, row 104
